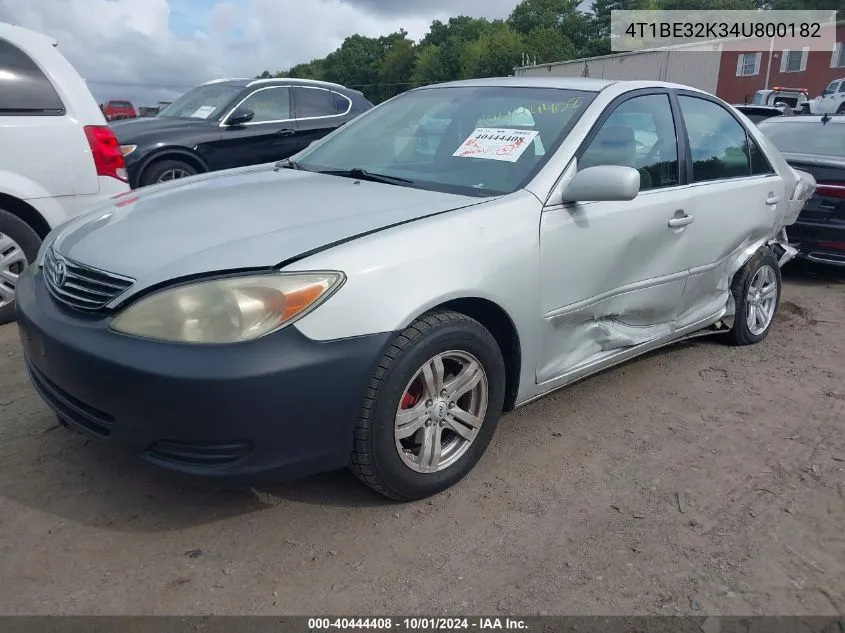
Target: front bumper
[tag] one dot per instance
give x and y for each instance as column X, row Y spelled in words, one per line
column 283, row 405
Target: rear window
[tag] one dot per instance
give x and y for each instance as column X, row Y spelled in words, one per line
column 24, row 89
column 806, row 137
column 120, row 104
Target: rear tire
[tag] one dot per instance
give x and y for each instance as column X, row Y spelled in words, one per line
column 19, row 245
column 756, row 289
column 413, row 404
column 165, row 171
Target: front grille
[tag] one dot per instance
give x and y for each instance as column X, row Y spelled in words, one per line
column 69, row 408
column 199, row 454
column 80, row 286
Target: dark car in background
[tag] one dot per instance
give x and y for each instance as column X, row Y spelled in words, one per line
column 757, row 113
column 816, row 144
column 231, row 123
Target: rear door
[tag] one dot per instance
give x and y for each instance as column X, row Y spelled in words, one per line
column 318, row 112
column 735, row 195
column 43, row 148
column 270, row 136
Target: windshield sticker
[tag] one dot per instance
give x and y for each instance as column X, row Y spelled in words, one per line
column 203, row 113
column 496, row 144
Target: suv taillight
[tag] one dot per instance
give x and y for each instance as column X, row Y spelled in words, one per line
column 106, row 152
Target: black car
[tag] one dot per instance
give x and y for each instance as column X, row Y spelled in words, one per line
column 816, row 144
column 757, row 113
column 233, row 123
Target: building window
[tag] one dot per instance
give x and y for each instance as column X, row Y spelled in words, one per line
column 748, row 64
column 794, row 61
column 837, row 60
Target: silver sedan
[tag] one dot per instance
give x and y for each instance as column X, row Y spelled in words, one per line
column 379, row 300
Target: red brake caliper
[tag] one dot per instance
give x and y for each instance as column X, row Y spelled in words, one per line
column 412, row 396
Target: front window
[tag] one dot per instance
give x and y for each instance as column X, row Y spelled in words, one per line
column 758, row 98
column 204, row 102
column 831, row 88
column 474, row 140
column 806, row 137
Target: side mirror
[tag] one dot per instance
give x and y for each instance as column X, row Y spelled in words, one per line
column 240, row 116
column 603, row 183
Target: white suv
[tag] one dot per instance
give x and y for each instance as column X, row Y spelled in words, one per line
column 58, row 157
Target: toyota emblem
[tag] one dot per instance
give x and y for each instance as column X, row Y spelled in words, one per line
column 59, row 274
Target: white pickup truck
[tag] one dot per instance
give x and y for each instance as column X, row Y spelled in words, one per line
column 831, row 101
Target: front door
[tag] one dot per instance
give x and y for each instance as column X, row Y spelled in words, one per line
column 613, row 273
column 735, row 195
column 270, row 136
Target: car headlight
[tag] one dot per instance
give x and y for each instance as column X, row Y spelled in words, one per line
column 127, row 149
column 228, row 310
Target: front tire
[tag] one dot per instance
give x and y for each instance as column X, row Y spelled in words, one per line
column 756, row 289
column 19, row 246
column 431, row 407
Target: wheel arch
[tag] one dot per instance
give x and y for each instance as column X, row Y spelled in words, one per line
column 499, row 323
column 172, row 153
column 25, row 212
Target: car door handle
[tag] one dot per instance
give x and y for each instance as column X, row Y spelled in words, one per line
column 772, row 200
column 680, row 221
column 286, row 132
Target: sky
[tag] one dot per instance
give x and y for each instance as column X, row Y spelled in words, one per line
column 151, row 50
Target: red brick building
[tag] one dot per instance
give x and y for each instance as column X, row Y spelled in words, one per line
column 743, row 74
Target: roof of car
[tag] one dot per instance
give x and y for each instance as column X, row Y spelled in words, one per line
column 588, row 84
column 245, row 82
column 21, row 36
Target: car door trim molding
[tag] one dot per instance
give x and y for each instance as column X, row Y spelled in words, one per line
column 292, row 102
column 621, row 290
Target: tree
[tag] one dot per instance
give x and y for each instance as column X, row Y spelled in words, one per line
column 429, row 66
column 562, row 15
column 548, row 45
column 397, row 68
column 461, row 27
column 494, row 54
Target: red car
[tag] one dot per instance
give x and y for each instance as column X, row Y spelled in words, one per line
column 117, row 110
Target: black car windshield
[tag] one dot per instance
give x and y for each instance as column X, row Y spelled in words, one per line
column 806, row 137
column 475, row 140
column 204, row 102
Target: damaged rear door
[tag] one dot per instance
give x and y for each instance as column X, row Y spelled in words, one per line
column 613, row 273
column 736, row 196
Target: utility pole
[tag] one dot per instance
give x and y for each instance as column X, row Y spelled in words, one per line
column 769, row 65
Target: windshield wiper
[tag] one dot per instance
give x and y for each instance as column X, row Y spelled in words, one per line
column 363, row 174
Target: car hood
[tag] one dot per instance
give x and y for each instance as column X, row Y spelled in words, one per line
column 250, row 218
column 130, row 130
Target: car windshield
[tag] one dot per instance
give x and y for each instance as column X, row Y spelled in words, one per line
column 474, row 140
column 204, row 102
column 806, row 137
column 758, row 98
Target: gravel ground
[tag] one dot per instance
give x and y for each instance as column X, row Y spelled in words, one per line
column 702, row 478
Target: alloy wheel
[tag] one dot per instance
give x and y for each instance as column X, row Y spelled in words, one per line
column 441, row 412
column 761, row 301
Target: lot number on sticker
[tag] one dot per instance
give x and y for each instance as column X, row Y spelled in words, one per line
column 496, row 144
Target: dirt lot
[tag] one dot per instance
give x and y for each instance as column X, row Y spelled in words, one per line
column 574, row 509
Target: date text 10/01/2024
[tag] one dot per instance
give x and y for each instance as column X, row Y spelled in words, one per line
column 417, row 624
